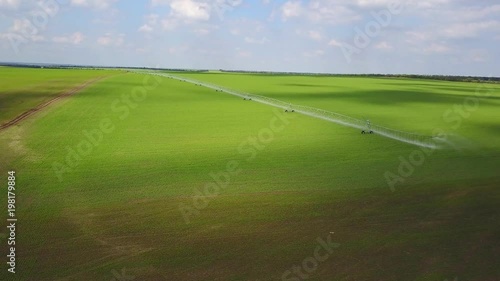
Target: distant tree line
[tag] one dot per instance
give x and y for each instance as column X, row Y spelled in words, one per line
column 71, row 66
column 476, row 79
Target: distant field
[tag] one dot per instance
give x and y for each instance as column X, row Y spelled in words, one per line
column 403, row 104
column 23, row 88
column 117, row 205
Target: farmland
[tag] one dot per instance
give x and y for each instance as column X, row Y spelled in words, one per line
column 24, row 89
column 159, row 179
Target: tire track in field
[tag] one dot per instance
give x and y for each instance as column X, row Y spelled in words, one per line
column 41, row 106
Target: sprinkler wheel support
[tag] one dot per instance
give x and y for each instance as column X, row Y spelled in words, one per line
column 368, row 128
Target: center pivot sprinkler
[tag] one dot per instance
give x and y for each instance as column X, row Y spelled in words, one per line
column 368, row 129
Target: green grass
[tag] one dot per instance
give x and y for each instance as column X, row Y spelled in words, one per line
column 22, row 89
column 119, row 208
column 403, row 104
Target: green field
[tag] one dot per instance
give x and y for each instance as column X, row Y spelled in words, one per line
column 23, row 89
column 112, row 179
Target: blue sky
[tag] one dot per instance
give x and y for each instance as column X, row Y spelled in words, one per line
column 451, row 37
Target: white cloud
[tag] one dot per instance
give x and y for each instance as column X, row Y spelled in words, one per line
column 75, row 39
column 21, row 25
column 330, row 12
column 10, row 3
column 110, row 39
column 183, row 12
column 145, row 28
column 24, row 29
column 373, row 3
column 463, row 13
column 469, row 30
column 260, row 41
column 430, row 39
column 169, row 23
column 197, row 10
column 315, row 53
column 384, row 45
column 202, row 31
column 104, row 40
column 152, row 19
column 95, row 4
column 437, row 48
column 334, row 43
column 315, row 35
column 416, row 37
column 413, row 5
column 427, row 42
column 152, row 22
column 291, row 9
column 190, row 10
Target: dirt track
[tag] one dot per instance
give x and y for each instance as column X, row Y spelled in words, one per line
column 32, row 111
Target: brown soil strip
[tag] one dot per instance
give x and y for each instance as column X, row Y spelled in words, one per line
column 32, row 111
